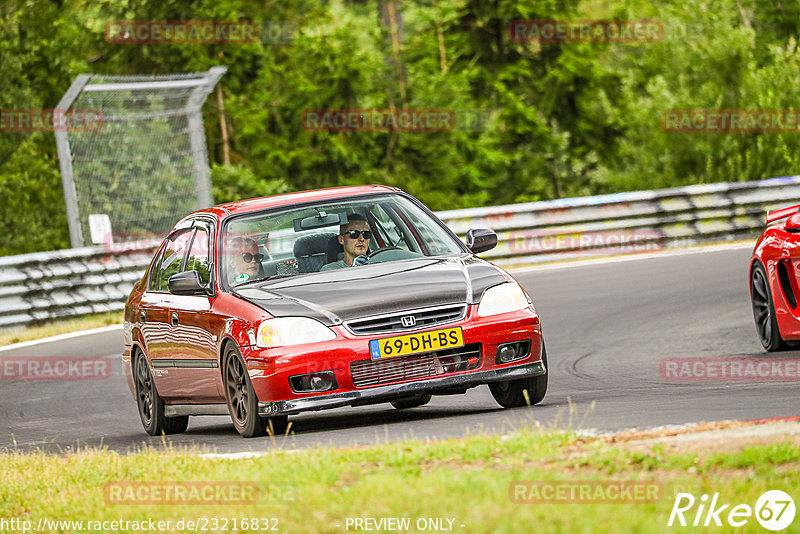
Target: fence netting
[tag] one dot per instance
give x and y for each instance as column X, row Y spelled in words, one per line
column 142, row 160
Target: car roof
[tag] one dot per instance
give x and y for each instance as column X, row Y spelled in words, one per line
column 287, row 199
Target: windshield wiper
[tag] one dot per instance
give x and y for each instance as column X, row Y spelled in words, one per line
column 258, row 280
column 274, row 276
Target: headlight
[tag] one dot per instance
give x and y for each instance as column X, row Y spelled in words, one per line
column 504, row 298
column 283, row 331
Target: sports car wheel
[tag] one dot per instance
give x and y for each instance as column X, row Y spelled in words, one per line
column 764, row 310
column 151, row 406
column 522, row 392
column 243, row 403
column 411, row 402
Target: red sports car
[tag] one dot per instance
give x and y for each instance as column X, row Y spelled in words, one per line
column 774, row 273
column 349, row 296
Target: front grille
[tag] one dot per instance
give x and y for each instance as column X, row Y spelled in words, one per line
column 442, row 362
column 384, row 324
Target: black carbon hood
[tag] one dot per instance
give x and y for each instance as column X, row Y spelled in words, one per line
column 333, row 297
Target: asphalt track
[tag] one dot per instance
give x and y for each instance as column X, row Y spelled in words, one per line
column 607, row 328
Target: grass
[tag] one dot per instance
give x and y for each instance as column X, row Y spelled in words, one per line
column 62, row 327
column 466, row 480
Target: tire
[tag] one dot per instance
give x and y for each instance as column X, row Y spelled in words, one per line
column 243, row 402
column 150, row 405
column 512, row 393
column 764, row 310
column 412, row 402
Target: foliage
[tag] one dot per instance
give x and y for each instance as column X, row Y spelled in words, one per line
column 236, row 182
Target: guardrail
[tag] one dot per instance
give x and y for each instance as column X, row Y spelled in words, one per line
column 35, row 288
column 622, row 223
column 42, row 286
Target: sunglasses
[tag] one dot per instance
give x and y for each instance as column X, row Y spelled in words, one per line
column 366, row 234
column 247, row 257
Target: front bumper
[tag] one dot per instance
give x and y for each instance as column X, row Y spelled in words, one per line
column 380, row 393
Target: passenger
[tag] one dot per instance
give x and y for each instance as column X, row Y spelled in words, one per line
column 354, row 238
column 245, row 260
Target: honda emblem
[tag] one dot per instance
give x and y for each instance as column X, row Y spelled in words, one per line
column 408, row 321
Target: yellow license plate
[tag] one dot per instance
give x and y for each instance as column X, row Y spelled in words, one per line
column 415, row 343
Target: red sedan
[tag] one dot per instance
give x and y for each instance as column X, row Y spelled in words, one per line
column 348, row 296
column 774, row 273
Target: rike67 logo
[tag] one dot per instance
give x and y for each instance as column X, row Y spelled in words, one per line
column 774, row 510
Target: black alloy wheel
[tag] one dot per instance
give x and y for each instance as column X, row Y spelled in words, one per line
column 150, row 404
column 243, row 402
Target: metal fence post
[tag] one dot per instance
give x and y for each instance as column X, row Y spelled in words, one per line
column 205, row 196
column 65, row 162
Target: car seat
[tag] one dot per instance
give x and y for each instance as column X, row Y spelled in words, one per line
column 314, row 251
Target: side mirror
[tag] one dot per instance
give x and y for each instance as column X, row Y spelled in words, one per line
column 481, row 239
column 187, row 283
column 793, row 224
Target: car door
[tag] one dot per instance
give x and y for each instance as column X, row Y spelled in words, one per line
column 156, row 301
column 154, row 312
column 193, row 375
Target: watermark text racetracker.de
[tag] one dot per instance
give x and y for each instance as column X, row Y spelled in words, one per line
column 118, row 242
column 395, row 120
column 189, row 493
column 730, row 121
column 593, row 242
column 180, row 32
column 730, row 369
column 54, row 368
column 50, row 120
column 586, row 31
column 585, row 491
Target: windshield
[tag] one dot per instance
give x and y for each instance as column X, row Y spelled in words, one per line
column 330, row 235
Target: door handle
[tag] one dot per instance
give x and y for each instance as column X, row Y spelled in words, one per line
column 174, row 319
column 142, row 316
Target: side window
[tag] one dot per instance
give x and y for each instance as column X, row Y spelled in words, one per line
column 198, row 259
column 151, row 285
column 435, row 239
column 171, row 260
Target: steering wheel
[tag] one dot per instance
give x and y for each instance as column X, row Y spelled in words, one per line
column 380, row 250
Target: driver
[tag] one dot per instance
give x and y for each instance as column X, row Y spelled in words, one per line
column 354, row 238
column 245, row 260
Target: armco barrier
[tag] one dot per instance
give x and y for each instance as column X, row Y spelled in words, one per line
column 626, row 222
column 35, row 288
